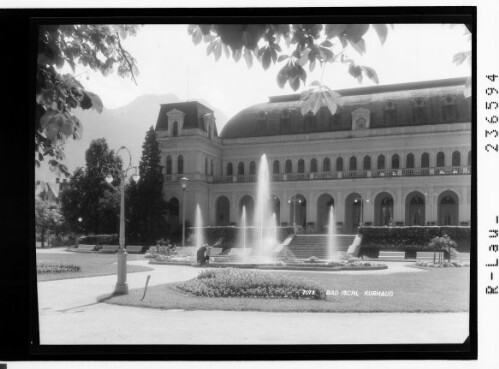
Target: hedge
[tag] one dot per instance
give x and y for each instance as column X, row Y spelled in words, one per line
column 413, row 238
column 99, row 239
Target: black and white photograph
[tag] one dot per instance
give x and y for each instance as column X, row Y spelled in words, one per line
column 253, row 184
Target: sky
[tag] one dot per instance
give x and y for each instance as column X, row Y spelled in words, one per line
column 169, row 62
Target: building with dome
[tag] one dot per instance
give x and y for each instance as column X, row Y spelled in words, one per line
column 392, row 155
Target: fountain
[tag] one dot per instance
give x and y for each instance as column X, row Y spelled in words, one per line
column 199, row 230
column 331, row 239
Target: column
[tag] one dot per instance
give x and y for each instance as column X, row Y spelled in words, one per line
column 398, row 207
column 234, row 209
column 285, row 207
column 369, row 207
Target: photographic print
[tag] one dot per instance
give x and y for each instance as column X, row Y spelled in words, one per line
column 254, row 184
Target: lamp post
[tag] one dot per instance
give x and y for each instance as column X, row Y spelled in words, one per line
column 183, row 182
column 294, row 200
column 121, row 285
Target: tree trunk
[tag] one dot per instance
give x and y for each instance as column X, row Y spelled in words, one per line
column 42, row 237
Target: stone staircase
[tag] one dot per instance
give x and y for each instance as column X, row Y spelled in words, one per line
column 305, row 246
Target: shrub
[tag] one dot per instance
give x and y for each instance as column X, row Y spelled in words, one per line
column 57, row 268
column 452, row 264
column 233, row 282
column 99, row 239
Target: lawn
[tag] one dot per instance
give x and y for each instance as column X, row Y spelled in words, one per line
column 91, row 265
column 436, row 290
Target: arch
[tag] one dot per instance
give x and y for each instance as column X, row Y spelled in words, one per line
column 276, row 208
column 326, row 165
column 222, row 211
column 180, row 164
column 448, row 208
column 353, row 215
column 252, row 168
column 175, row 129
column 353, row 163
column 425, row 160
column 240, row 169
column 395, row 161
column 168, row 164
column 301, row 166
column 367, row 162
column 313, row 165
column 288, row 167
column 339, row 164
column 230, row 170
column 299, row 203
column 456, row 159
column 248, row 202
column 383, row 209
column 415, row 209
column 440, row 159
column 409, row 161
column 324, row 203
column 276, row 167
column 381, row 162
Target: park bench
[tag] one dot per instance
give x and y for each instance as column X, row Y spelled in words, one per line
column 134, row 249
column 109, row 249
column 391, row 255
column 86, row 248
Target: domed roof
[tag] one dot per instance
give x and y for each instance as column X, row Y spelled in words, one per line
column 281, row 114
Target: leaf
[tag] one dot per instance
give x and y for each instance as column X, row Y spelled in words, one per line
column 266, row 58
column 248, row 58
column 315, row 83
column 354, row 32
column 96, row 101
column 282, row 57
column 371, row 74
column 218, row 51
column 382, row 31
column 226, row 50
column 359, row 46
column 317, row 103
column 303, row 59
column 326, row 43
column 334, row 30
column 236, row 54
column 208, row 37
column 294, row 83
column 276, row 47
column 211, row 48
column 282, row 76
column 460, row 57
column 46, row 118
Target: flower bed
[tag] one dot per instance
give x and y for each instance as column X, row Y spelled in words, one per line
column 234, row 282
column 57, row 268
column 446, row 264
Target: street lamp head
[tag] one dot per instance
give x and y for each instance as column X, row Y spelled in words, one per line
column 109, row 178
column 135, row 177
column 80, row 219
column 183, row 182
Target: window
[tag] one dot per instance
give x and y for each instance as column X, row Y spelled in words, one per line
column 367, row 162
column 409, row 161
column 456, row 159
column 285, row 121
column 212, row 168
column 301, row 166
column 353, row 163
column 252, row 168
column 310, row 122
column 418, row 112
column 229, row 169
column 339, row 164
column 313, row 165
column 175, row 129
column 275, row 167
column 395, row 161
column 206, row 166
column 174, row 207
column 469, row 157
column 180, row 166
column 389, row 114
column 209, row 132
column 168, row 164
column 449, row 109
column 381, row 162
column 326, row 165
column 288, row 167
column 240, row 169
column 440, row 159
column 425, row 160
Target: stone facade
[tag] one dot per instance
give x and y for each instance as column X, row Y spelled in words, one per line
column 393, row 155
